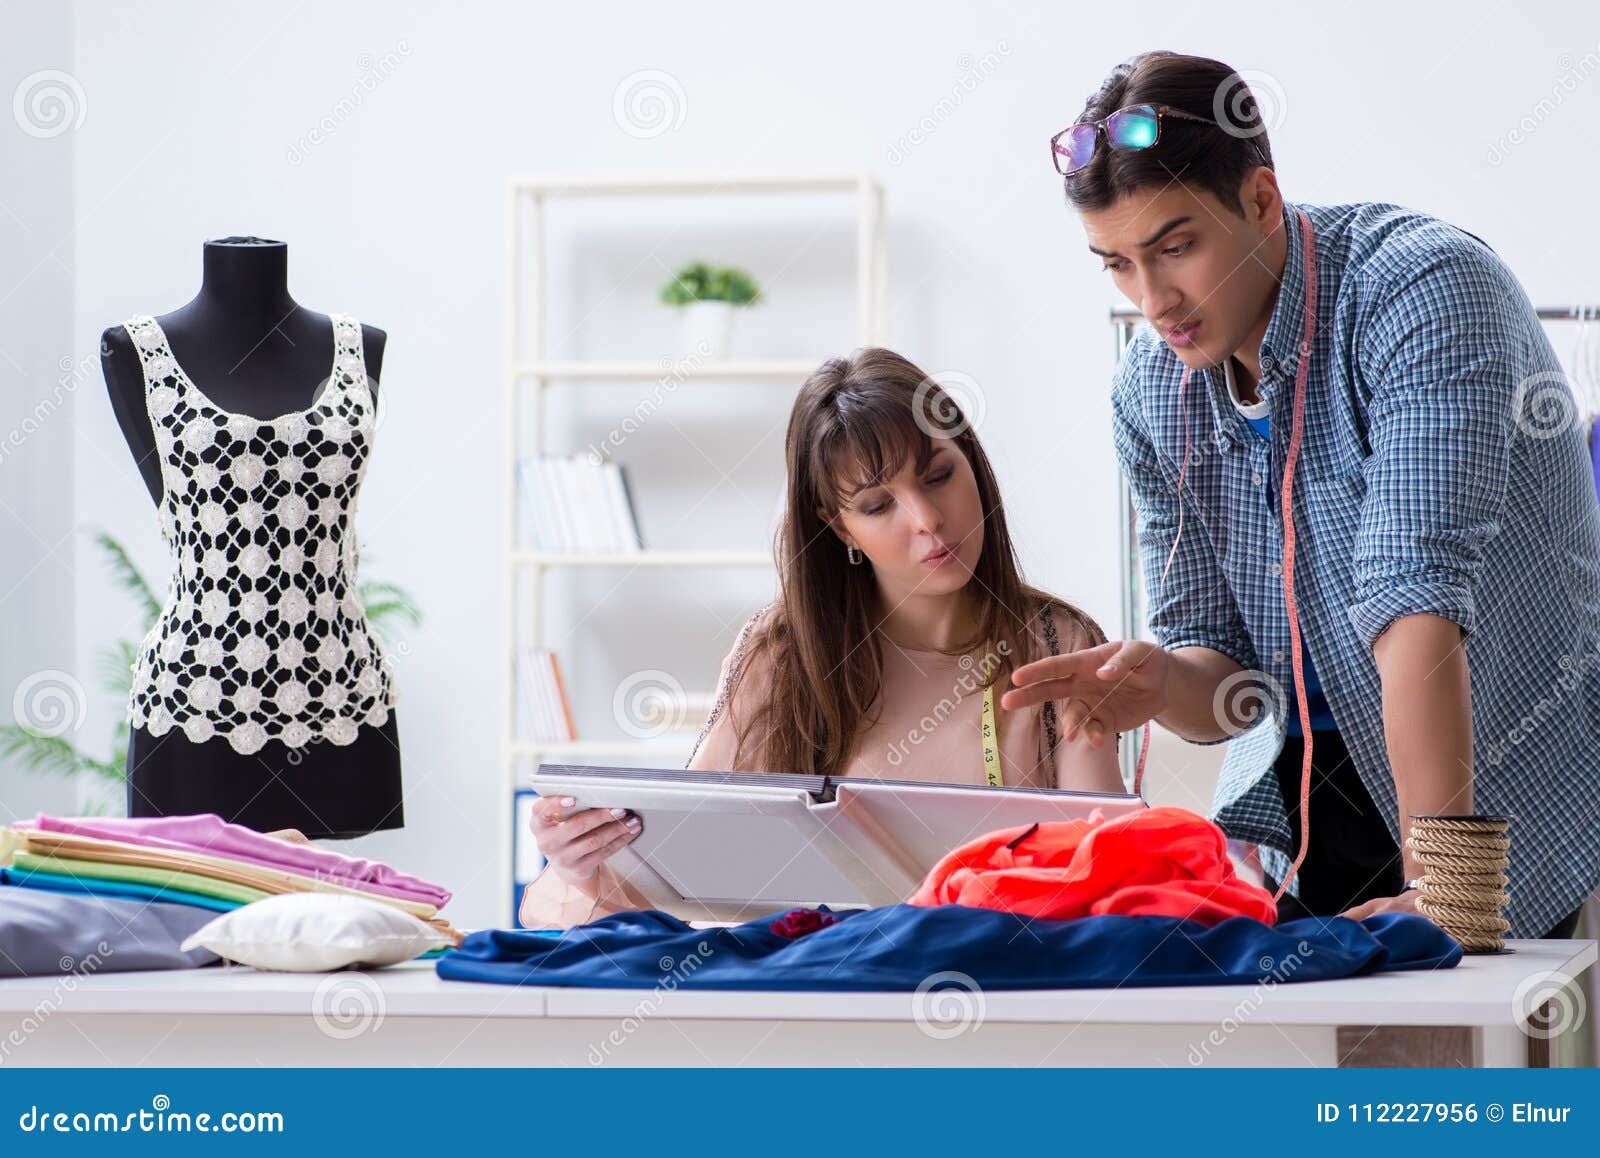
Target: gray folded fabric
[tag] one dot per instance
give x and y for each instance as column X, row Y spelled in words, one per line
column 45, row 933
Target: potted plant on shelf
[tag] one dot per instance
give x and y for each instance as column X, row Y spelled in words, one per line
column 708, row 295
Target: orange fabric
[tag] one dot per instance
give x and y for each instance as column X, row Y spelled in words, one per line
column 1161, row 862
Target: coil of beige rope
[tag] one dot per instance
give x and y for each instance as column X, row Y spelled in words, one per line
column 1463, row 889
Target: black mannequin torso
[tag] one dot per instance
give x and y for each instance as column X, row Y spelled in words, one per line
column 250, row 349
column 244, row 341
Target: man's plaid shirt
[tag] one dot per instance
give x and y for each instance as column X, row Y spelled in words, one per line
column 1444, row 470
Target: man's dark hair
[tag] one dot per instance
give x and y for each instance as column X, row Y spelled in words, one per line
column 1210, row 157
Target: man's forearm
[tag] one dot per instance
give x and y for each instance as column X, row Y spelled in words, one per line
column 1193, row 712
column 1427, row 719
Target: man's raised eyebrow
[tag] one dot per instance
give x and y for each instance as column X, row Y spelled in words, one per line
column 1152, row 239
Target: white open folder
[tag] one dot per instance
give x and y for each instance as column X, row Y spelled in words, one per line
column 732, row 846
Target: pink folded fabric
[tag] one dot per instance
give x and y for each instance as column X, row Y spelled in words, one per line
column 209, row 833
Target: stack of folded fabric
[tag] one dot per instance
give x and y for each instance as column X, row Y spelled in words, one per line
column 202, row 861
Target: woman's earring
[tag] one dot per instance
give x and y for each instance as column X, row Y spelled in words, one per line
column 853, row 554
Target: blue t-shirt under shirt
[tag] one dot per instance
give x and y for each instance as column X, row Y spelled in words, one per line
column 1321, row 715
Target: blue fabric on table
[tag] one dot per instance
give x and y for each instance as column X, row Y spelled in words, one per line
column 899, row 947
column 61, row 883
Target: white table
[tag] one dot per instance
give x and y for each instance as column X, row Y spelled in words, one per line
column 1470, row 1015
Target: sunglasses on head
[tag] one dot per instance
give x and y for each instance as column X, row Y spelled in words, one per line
column 1131, row 127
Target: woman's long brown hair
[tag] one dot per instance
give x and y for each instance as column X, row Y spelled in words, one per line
column 863, row 415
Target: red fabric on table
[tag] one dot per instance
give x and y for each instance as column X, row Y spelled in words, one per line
column 1161, row 862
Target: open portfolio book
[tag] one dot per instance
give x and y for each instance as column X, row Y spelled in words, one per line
column 731, row 846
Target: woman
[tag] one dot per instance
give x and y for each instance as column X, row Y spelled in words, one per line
column 901, row 603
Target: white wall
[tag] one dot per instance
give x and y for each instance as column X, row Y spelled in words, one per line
column 39, row 388
column 193, row 115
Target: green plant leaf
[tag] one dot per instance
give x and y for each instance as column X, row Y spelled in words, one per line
column 374, row 588
column 388, row 604
column 383, row 615
column 116, row 768
column 51, row 755
column 700, row 282
column 129, row 579
column 113, row 770
column 115, row 663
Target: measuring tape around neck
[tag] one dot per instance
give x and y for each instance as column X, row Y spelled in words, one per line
column 991, row 741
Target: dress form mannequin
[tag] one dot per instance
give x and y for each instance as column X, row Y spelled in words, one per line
column 253, row 351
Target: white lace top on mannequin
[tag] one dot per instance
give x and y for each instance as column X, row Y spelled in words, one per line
column 262, row 636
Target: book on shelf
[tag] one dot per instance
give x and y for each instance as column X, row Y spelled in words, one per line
column 574, row 505
column 549, row 709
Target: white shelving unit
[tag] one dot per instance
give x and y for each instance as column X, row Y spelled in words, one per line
column 623, row 371
column 644, row 559
column 530, row 373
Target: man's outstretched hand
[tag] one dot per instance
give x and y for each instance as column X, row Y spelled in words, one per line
column 1102, row 690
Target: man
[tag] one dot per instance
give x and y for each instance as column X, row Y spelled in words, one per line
column 1445, row 530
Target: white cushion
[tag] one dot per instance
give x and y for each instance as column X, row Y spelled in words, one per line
column 316, row 933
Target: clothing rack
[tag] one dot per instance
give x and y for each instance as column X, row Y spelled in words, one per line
column 1568, row 313
column 1124, row 320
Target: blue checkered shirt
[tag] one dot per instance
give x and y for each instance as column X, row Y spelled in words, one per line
column 1444, row 470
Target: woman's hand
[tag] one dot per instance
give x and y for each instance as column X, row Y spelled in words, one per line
column 577, row 843
column 1103, row 690
column 1406, row 902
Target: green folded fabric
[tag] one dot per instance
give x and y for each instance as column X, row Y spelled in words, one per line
column 139, row 874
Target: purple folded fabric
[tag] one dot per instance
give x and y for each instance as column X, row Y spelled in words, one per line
column 1594, row 452
column 209, row 833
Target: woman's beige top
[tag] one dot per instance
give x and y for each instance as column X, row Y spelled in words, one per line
column 928, row 729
